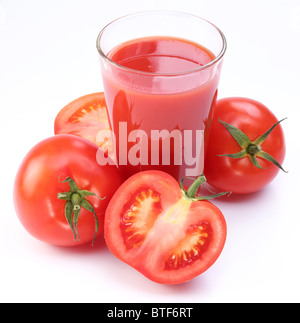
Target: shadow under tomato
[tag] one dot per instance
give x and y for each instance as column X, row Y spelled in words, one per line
column 87, row 248
column 197, row 285
column 187, row 287
column 134, row 279
column 232, row 197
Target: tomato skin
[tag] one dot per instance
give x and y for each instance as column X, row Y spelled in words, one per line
column 240, row 176
column 39, row 180
column 150, row 257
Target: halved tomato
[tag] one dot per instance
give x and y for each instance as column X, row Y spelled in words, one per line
column 86, row 117
column 162, row 230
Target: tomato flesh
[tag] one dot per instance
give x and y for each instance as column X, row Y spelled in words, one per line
column 168, row 238
column 93, row 117
column 140, row 217
column 191, row 247
column 86, row 117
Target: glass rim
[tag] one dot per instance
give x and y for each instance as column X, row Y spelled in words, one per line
column 135, row 71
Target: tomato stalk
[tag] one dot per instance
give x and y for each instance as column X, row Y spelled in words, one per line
column 191, row 192
column 75, row 200
column 251, row 149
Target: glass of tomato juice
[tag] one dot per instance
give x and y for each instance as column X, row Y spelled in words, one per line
column 160, row 73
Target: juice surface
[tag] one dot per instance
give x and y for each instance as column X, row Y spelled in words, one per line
column 161, row 55
column 162, row 87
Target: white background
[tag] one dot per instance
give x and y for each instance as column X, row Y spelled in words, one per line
column 48, row 58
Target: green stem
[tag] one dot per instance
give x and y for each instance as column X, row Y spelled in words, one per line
column 75, row 200
column 190, row 194
column 193, row 189
column 253, row 149
column 250, row 149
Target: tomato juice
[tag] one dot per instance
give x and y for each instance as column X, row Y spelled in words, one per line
column 163, row 84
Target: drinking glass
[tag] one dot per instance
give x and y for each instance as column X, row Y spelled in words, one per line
column 161, row 120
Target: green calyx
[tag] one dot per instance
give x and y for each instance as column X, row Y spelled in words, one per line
column 75, row 200
column 191, row 192
column 251, row 149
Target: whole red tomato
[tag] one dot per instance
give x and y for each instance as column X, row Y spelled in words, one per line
column 246, row 146
column 162, row 230
column 61, row 193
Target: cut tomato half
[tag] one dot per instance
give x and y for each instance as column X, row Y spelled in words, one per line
column 152, row 226
column 86, row 117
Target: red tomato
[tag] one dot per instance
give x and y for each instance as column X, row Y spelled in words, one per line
column 85, row 117
column 152, row 226
column 59, row 181
column 247, row 163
